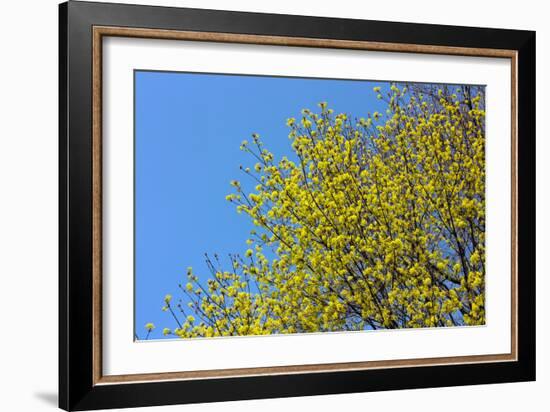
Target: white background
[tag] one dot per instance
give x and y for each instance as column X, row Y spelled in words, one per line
column 122, row 356
column 28, row 211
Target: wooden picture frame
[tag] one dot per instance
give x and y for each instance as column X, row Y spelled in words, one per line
column 83, row 26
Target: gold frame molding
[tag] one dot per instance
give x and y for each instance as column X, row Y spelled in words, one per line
column 102, row 31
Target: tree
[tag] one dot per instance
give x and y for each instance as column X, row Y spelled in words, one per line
column 378, row 223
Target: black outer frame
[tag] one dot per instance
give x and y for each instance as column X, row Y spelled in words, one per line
column 76, row 389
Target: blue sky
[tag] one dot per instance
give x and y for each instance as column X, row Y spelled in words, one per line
column 188, row 128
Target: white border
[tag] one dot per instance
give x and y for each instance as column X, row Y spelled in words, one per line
column 123, row 356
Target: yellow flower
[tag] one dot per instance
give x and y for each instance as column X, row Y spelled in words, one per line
column 474, row 258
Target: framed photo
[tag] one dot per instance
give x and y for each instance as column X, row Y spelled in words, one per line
column 257, row 205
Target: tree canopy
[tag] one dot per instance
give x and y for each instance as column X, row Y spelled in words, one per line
column 377, row 222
